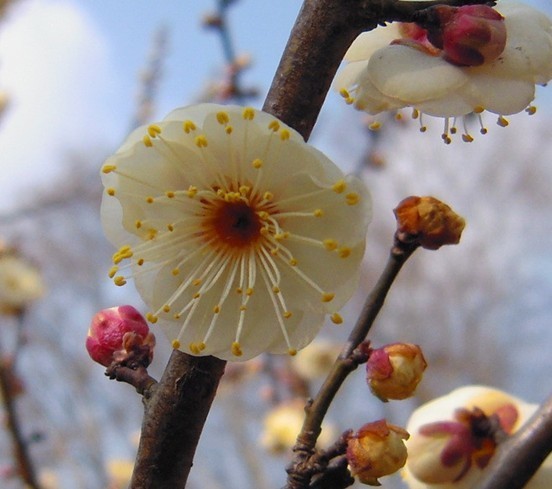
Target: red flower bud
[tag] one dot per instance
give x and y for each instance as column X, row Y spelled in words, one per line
column 469, row 36
column 394, row 371
column 376, row 450
column 117, row 334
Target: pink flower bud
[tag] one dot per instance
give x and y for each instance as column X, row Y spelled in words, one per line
column 394, row 371
column 376, row 450
column 469, row 36
column 119, row 334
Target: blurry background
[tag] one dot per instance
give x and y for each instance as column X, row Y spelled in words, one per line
column 76, row 76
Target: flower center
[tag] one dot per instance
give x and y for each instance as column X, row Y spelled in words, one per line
column 236, row 224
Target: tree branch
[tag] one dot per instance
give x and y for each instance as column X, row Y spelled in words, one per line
column 520, row 456
column 301, row 470
column 174, row 417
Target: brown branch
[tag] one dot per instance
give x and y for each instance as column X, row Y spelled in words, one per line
column 174, row 417
column 522, row 454
column 301, row 470
column 25, row 468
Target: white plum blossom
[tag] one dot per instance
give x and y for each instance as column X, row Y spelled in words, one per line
column 444, row 453
column 387, row 70
column 20, row 282
column 241, row 237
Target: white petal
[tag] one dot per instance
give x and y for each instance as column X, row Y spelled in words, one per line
column 368, row 42
column 412, row 76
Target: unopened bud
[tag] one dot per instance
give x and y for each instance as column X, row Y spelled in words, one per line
column 376, row 450
column 470, row 35
column 394, row 371
column 428, row 222
column 120, row 334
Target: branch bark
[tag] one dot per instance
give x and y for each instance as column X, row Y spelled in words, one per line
column 175, row 413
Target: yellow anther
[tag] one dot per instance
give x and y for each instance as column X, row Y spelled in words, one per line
column 375, row 126
column 502, row 121
column 248, row 113
column 228, row 129
column 336, row 318
column 166, row 308
column 152, row 318
column 274, row 126
column 188, row 126
column 287, row 314
column 169, row 194
column 154, row 130
column 352, row 199
column 177, row 315
column 415, row 113
column 344, row 252
column 193, row 348
column 152, row 233
column 249, row 291
column 216, row 309
column 236, row 349
column 200, row 141
column 243, row 308
column 467, row 138
column 108, row 168
column 531, row 110
column 292, row 352
column 110, row 191
column 175, row 271
column 119, row 281
column 196, row 282
column 280, row 236
column 244, row 190
column 197, row 295
column 170, row 227
column 223, row 118
column 318, row 213
column 478, row 109
column 274, row 251
column 330, row 244
column 192, row 191
column 121, row 254
column 239, row 290
column 140, row 262
column 112, row 271
column 268, row 195
column 423, row 128
column 344, row 93
column 201, row 346
column 175, row 344
column 339, row 186
column 150, row 200
column 264, row 230
column 284, row 134
column 327, row 297
column 257, row 163
column 138, row 224
column 276, row 289
column 293, row 262
column 263, row 215
column 147, row 141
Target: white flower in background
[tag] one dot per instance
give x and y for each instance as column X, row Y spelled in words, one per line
column 240, row 236
column 447, row 448
column 396, row 66
column 283, row 423
column 20, row 283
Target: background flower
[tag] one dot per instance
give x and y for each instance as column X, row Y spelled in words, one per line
column 381, row 76
column 241, row 237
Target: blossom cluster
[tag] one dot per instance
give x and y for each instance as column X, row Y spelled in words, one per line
column 397, row 66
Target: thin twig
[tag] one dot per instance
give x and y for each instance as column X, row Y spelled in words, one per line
column 25, row 468
column 301, row 470
column 518, row 458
